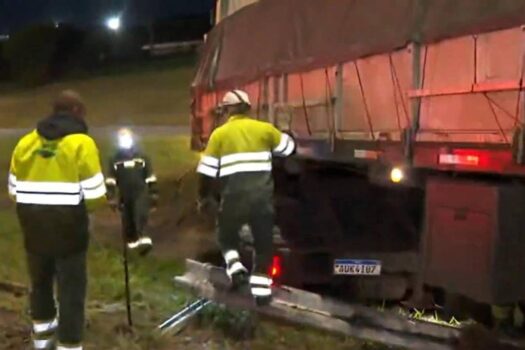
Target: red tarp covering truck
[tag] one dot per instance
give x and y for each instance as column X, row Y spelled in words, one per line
column 409, row 117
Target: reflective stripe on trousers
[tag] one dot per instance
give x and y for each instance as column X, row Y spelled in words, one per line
column 43, row 334
column 69, row 347
column 233, row 263
column 261, row 286
column 43, row 344
column 45, row 327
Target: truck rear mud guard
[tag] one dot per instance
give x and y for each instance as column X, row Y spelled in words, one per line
column 314, row 310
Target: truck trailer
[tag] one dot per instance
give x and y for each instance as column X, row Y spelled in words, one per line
column 409, row 175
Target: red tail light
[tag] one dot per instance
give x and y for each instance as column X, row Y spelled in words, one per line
column 465, row 157
column 276, row 268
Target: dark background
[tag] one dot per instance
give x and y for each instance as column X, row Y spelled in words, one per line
column 49, row 39
column 15, row 14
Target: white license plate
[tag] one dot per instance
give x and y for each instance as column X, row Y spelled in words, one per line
column 357, row 267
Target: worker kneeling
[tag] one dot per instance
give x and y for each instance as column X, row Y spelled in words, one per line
column 239, row 153
column 130, row 172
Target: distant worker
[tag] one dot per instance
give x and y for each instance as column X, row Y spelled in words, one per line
column 130, row 172
column 55, row 179
column 239, row 153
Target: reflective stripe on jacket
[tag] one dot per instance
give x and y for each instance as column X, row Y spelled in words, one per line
column 65, row 171
column 244, row 145
column 132, row 172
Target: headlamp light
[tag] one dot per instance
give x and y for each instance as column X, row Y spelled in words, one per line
column 125, row 139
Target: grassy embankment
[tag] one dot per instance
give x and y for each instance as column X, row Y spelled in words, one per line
column 157, row 96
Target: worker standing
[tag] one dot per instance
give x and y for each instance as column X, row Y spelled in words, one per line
column 239, row 153
column 131, row 173
column 55, row 179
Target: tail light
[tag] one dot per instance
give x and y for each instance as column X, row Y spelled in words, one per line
column 465, row 157
column 276, row 268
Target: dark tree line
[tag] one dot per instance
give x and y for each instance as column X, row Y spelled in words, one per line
column 44, row 52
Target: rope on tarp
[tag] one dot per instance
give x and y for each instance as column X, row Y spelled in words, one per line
column 496, row 118
column 365, row 103
column 330, row 109
column 306, row 117
column 394, row 91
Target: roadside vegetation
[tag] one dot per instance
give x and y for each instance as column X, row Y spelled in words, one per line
column 157, row 94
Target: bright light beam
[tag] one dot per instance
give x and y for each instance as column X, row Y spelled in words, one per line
column 113, row 23
column 397, row 175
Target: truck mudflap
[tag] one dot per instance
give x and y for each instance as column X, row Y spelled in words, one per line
column 314, row 310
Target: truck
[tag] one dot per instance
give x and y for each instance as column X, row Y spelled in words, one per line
column 408, row 180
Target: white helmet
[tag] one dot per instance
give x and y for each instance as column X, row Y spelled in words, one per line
column 235, row 97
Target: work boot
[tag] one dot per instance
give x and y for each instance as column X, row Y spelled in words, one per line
column 261, row 289
column 142, row 246
column 44, row 334
column 239, row 276
column 235, row 270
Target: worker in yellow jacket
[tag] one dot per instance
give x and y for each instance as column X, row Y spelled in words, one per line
column 239, row 154
column 55, row 179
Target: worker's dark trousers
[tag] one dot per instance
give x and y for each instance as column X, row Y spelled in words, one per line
column 256, row 210
column 135, row 212
column 69, row 272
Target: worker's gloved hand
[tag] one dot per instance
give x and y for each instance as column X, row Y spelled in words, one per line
column 207, row 205
column 113, row 204
column 154, row 202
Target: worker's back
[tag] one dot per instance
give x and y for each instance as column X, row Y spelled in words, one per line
column 244, row 148
column 55, row 172
column 130, row 169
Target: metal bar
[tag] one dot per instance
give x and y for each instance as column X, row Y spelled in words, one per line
column 285, row 88
column 273, row 99
column 394, row 90
column 299, row 104
column 305, row 308
column 339, row 100
column 280, row 90
column 521, row 140
column 266, row 98
column 510, row 85
column 184, row 315
column 126, row 278
column 417, row 84
column 179, row 324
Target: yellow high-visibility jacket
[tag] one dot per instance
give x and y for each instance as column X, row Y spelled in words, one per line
column 65, row 171
column 244, row 145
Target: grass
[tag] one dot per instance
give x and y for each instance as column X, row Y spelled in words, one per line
column 154, row 296
column 156, row 94
column 151, row 278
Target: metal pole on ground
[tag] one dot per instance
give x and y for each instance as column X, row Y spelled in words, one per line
column 126, row 272
column 181, row 318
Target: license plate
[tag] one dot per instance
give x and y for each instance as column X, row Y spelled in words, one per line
column 357, row 267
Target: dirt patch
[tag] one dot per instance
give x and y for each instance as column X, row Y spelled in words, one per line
column 191, row 235
column 177, row 230
column 14, row 333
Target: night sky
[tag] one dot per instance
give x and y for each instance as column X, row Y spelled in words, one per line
column 17, row 13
